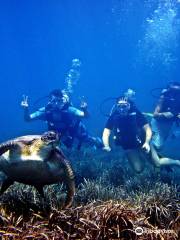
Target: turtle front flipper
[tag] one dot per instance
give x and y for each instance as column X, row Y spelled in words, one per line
column 70, row 184
column 68, row 179
column 4, row 147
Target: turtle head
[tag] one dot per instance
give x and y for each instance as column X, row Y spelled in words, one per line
column 50, row 137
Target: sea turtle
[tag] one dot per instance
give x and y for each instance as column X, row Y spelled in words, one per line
column 36, row 160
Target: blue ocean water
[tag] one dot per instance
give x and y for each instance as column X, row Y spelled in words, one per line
column 121, row 44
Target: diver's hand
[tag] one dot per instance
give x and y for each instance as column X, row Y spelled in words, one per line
column 178, row 116
column 168, row 115
column 146, row 147
column 24, row 102
column 83, row 105
column 107, row 148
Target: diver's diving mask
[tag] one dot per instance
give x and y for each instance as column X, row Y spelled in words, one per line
column 58, row 102
column 123, row 107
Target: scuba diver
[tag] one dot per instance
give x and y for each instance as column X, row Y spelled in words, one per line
column 64, row 119
column 133, row 133
column 166, row 113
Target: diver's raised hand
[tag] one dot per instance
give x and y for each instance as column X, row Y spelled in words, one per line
column 24, row 102
column 146, row 147
column 84, row 107
column 83, row 103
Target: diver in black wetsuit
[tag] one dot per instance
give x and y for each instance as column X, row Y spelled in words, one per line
column 133, row 133
column 167, row 112
column 63, row 118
